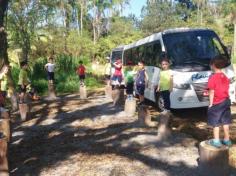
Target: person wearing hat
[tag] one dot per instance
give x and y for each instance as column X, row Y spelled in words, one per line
column 117, row 76
column 107, row 70
column 129, row 80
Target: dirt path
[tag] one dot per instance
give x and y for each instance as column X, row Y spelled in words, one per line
column 70, row 137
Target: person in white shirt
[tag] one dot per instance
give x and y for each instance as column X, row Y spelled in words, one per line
column 50, row 67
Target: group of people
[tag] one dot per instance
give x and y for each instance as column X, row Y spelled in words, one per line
column 136, row 77
column 24, row 83
column 219, row 113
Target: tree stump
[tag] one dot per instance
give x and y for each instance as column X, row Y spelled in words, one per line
column 144, row 117
column 108, row 91
column 232, row 156
column 163, row 129
column 13, row 100
column 118, row 96
column 3, row 157
column 4, row 113
column 82, row 92
column 5, row 128
column 213, row 161
column 51, row 91
column 24, row 111
column 130, row 107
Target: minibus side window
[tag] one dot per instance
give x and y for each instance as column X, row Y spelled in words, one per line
column 127, row 56
column 141, row 52
column 148, row 55
column 156, row 53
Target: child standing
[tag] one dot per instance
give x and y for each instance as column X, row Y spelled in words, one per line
column 129, row 80
column 141, row 81
column 49, row 67
column 23, row 80
column 165, row 83
column 4, row 83
column 117, row 76
column 219, row 103
column 81, row 72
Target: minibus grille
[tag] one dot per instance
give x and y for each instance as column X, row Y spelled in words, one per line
column 201, row 90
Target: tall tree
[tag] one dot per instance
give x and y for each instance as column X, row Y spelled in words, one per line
column 3, row 34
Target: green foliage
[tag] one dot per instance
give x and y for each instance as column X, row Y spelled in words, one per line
column 86, row 30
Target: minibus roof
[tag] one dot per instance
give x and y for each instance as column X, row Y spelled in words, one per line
column 156, row 36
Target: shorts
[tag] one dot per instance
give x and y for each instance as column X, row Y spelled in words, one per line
column 219, row 114
column 140, row 89
column 50, row 75
column 22, row 90
column 130, row 88
column 81, row 77
column 117, row 77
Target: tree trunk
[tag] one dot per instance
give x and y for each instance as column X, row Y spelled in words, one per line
column 81, row 16
column 3, row 35
column 234, row 48
column 3, row 45
column 94, row 23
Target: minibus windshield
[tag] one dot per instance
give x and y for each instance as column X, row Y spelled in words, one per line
column 193, row 49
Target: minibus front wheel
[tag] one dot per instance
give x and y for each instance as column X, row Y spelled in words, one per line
column 159, row 102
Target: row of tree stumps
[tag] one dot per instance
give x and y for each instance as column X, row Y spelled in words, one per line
column 5, row 137
column 24, row 108
column 212, row 161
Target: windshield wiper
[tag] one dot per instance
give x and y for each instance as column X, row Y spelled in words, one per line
column 195, row 62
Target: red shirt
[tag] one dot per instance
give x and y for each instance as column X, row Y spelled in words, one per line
column 118, row 69
column 220, row 84
column 80, row 70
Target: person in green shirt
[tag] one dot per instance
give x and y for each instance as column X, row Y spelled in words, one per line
column 23, row 80
column 3, row 84
column 165, row 84
column 107, row 71
column 129, row 80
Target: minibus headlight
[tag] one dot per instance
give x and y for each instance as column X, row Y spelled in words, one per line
column 182, row 86
column 232, row 80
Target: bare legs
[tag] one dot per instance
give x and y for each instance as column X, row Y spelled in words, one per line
column 216, row 132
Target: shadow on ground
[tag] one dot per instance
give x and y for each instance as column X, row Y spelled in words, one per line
column 44, row 145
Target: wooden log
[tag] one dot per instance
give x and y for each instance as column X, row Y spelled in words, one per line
column 163, row 130
column 5, row 128
column 213, row 161
column 82, row 92
column 130, row 107
column 3, row 157
column 13, row 100
column 232, row 156
column 118, row 96
column 24, row 111
column 144, row 117
column 4, row 113
column 108, row 91
column 51, row 91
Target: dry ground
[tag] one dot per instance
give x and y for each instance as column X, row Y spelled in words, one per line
column 71, row 137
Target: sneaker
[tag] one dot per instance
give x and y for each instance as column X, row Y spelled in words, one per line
column 214, row 143
column 227, row 143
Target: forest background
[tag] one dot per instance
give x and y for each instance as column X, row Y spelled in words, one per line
column 87, row 30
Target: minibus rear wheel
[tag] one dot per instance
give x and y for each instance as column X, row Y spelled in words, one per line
column 159, row 102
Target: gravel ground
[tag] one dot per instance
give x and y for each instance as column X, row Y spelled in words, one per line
column 70, row 137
